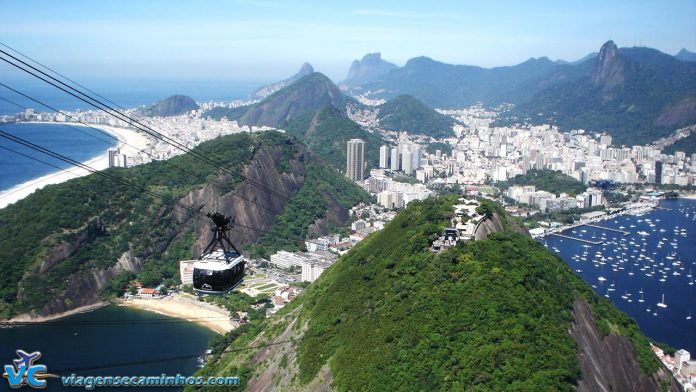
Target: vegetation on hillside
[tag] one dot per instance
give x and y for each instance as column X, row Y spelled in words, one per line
column 217, row 113
column 406, row 113
column 322, row 186
column 687, row 145
column 103, row 220
column 445, row 148
column 485, row 315
column 547, row 180
column 172, row 106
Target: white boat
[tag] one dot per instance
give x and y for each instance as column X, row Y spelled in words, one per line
column 662, row 304
column 601, row 279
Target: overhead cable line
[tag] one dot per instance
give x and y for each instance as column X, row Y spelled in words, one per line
column 220, row 188
column 123, row 117
column 165, row 199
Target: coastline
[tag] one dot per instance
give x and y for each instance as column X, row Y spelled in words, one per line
column 99, row 162
column 204, row 314
column 29, row 318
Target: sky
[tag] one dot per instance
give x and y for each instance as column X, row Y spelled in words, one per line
column 248, row 40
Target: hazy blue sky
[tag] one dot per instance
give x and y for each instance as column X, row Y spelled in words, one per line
column 267, row 39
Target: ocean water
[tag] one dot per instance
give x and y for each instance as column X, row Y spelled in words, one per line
column 656, row 257
column 109, row 341
column 80, row 146
column 127, row 93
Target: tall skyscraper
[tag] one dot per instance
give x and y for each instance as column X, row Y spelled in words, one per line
column 355, row 160
column 406, row 161
column 658, row 172
column 395, row 161
column 384, row 157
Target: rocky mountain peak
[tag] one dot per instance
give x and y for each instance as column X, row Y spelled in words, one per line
column 305, row 70
column 608, row 71
column 371, row 67
column 267, row 90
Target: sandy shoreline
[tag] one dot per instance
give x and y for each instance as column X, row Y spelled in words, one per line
column 24, row 318
column 100, row 162
column 207, row 315
column 204, row 314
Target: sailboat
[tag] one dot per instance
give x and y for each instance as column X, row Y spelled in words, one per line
column 662, row 304
column 641, row 298
column 689, row 316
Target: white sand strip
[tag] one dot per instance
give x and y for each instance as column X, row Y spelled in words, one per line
column 20, row 191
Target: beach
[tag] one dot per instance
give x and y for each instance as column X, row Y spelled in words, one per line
column 207, row 315
column 125, row 136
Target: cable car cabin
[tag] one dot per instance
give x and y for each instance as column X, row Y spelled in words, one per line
column 218, row 272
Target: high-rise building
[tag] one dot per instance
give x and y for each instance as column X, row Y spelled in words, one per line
column 395, row 161
column 116, row 159
column 406, row 161
column 658, row 172
column 113, row 156
column 355, row 160
column 416, row 157
column 384, row 157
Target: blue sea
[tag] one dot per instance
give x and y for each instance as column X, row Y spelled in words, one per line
column 656, row 258
column 127, row 93
column 78, row 143
column 110, row 341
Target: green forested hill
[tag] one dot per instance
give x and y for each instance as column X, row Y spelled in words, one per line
column 307, row 95
column 85, row 224
column 490, row 315
column 172, row 106
column 547, row 180
column 406, row 113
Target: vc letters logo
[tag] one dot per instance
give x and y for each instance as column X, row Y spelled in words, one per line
column 23, row 371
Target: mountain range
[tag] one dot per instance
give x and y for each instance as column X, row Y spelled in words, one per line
column 636, row 94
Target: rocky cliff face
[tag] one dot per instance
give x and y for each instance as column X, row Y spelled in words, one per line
column 609, row 363
column 260, row 214
column 369, row 69
column 495, row 224
column 608, row 72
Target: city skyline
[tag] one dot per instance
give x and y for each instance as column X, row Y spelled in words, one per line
column 242, row 40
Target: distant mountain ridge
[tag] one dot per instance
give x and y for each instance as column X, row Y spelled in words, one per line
column 635, row 94
column 267, row 90
column 442, row 85
column 372, row 67
column 171, row 106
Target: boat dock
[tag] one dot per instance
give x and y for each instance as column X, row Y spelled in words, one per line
column 608, row 229
column 577, row 239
